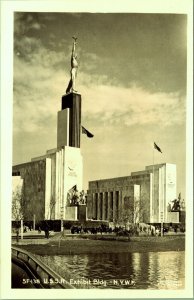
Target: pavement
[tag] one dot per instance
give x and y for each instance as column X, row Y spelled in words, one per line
column 34, row 233
column 31, row 237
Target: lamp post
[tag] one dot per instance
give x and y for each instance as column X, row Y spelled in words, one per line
column 22, row 229
column 161, row 220
column 34, row 222
column 62, row 211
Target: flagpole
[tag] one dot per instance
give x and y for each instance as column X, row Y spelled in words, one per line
column 67, row 126
column 161, row 213
column 152, row 188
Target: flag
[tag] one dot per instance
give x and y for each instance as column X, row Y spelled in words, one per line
column 73, row 189
column 85, row 131
column 157, row 148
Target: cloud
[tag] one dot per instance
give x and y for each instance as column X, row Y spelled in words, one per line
column 38, row 87
column 44, row 78
column 41, row 76
column 133, row 106
column 90, row 61
column 23, row 22
column 36, row 26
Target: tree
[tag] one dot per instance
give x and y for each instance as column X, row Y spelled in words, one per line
column 132, row 212
column 52, row 206
column 17, row 204
column 125, row 216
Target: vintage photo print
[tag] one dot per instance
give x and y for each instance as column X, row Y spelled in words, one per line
column 97, row 150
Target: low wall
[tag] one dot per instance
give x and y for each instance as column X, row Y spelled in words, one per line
column 48, row 278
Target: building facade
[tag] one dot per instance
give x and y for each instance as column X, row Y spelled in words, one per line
column 146, row 195
column 48, row 179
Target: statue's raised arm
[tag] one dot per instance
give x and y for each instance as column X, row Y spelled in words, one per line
column 73, row 47
column 74, row 67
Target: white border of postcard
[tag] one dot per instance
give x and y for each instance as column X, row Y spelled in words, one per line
column 141, row 6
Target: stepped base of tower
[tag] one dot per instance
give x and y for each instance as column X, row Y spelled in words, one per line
column 64, row 175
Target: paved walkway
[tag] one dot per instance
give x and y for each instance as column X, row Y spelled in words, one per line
column 30, row 241
column 34, row 233
column 32, row 237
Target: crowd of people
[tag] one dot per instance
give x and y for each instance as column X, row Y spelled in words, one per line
column 130, row 230
column 133, row 230
column 118, row 230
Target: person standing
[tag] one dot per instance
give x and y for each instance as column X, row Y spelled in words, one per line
column 46, row 230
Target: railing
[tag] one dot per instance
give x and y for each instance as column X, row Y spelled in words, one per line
column 48, row 278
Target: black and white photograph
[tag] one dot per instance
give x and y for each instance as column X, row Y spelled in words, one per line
column 100, row 188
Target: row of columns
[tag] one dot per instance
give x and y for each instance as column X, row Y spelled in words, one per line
column 106, row 205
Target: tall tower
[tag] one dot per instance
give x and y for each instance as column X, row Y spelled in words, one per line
column 69, row 118
column 69, row 162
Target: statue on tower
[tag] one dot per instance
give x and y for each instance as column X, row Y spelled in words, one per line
column 74, row 67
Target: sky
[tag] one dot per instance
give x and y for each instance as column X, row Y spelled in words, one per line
column 132, row 79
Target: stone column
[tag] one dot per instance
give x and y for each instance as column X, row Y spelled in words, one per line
column 106, row 200
column 114, row 205
column 103, row 206
column 94, row 206
column 110, row 208
column 98, row 207
column 92, row 209
column 119, row 204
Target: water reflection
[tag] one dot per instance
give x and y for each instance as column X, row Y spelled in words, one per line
column 150, row 270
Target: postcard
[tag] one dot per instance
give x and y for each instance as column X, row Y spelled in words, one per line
column 96, row 149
